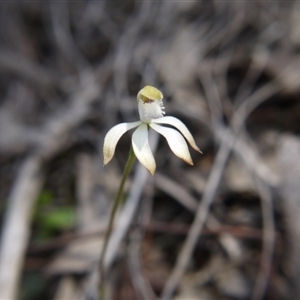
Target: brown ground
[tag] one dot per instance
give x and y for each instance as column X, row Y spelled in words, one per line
column 226, row 228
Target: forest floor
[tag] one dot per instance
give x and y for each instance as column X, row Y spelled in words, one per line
column 226, row 228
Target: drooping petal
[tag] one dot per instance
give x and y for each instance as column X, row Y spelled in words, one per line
column 142, row 149
column 112, row 137
column 180, row 126
column 176, row 142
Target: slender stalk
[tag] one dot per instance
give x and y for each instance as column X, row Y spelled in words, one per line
column 116, row 204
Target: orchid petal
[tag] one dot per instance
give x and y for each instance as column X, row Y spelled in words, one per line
column 180, row 126
column 142, row 149
column 112, row 137
column 176, row 142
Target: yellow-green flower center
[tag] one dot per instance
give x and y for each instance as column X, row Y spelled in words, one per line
column 149, row 94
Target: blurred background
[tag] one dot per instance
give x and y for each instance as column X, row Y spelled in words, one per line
column 226, row 228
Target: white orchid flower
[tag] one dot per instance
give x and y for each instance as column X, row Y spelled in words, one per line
column 151, row 112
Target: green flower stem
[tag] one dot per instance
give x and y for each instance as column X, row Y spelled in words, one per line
column 116, row 204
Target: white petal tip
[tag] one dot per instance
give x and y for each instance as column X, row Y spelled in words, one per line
column 150, row 168
column 188, row 161
column 108, row 155
column 197, row 149
column 151, row 171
